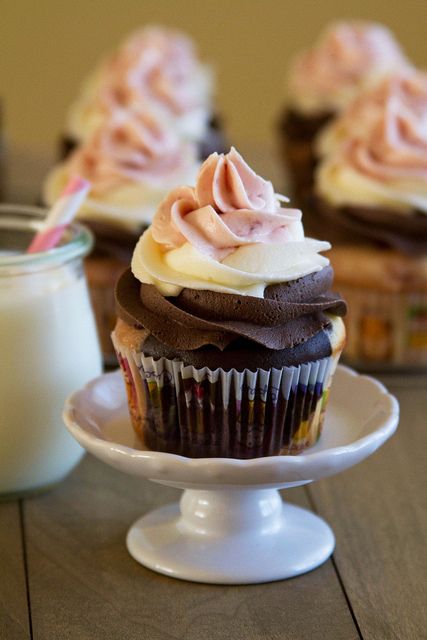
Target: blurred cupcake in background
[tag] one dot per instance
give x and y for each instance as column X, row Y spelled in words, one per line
column 228, row 333
column 156, row 70
column 132, row 160
column 322, row 81
column 370, row 199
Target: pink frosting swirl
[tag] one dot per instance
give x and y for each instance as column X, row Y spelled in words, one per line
column 130, row 148
column 390, row 142
column 230, row 206
column 347, row 57
column 154, row 66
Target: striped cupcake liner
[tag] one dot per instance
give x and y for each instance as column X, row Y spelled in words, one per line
column 204, row 413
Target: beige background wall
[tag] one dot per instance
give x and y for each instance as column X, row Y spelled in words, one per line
column 47, row 46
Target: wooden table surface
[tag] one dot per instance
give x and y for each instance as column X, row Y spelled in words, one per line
column 65, row 572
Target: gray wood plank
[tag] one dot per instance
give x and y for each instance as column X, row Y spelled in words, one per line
column 378, row 512
column 84, row 585
column 14, row 620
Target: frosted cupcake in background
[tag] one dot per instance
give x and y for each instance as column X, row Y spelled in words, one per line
column 322, row 81
column 156, row 70
column 131, row 161
column 228, row 333
column 371, row 201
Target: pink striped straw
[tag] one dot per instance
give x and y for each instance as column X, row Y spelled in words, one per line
column 60, row 215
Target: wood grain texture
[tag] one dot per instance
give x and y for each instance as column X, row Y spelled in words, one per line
column 378, row 512
column 84, row 584
column 14, row 621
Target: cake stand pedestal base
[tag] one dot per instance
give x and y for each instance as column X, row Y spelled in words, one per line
column 231, row 537
column 231, row 526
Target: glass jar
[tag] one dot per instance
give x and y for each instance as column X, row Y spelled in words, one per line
column 48, row 348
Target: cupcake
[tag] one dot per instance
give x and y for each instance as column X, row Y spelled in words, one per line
column 131, row 161
column 323, row 80
column 156, row 70
column 371, row 201
column 228, row 333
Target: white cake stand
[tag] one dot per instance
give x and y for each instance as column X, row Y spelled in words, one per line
column 231, row 526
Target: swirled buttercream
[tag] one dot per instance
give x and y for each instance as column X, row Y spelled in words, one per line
column 132, row 161
column 155, row 69
column 228, row 234
column 376, row 154
column 348, row 57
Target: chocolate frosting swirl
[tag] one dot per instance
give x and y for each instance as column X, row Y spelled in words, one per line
column 373, row 225
column 289, row 314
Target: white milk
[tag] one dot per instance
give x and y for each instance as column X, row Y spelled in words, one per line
column 48, row 349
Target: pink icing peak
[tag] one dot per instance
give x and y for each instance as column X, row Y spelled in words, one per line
column 390, row 141
column 227, row 183
column 130, row 148
column 229, row 206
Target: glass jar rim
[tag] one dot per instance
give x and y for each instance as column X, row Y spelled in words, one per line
column 79, row 240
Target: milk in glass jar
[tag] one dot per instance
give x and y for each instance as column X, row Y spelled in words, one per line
column 48, row 348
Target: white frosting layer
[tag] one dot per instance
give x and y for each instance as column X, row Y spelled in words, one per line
column 246, row 271
column 342, row 185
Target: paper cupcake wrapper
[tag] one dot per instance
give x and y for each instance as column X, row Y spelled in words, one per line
column 387, row 329
column 205, row 413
